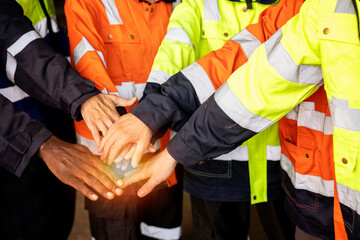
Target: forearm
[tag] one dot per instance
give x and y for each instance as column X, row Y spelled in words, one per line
column 46, row 75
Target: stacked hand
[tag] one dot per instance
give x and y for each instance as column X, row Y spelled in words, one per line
column 127, row 138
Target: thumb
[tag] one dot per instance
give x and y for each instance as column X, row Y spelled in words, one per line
column 123, row 102
column 147, row 187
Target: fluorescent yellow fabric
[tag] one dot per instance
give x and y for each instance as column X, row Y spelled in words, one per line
column 194, row 32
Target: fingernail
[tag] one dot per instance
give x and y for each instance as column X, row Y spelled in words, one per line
column 110, row 195
column 141, row 193
column 118, row 191
column 119, row 182
column 94, row 196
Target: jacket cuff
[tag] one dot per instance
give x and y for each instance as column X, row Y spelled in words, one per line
column 22, row 147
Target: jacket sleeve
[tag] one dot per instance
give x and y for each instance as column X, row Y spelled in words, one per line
column 277, row 77
column 20, row 137
column 87, row 49
column 31, row 64
column 172, row 103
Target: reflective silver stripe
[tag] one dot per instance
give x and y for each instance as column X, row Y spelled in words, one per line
column 89, row 143
column 158, row 76
column 310, row 118
column 11, row 66
column 343, row 116
column 345, row 6
column 247, row 41
column 174, row 4
column 82, row 48
column 112, row 12
column 310, row 183
column 199, row 80
column 22, row 42
column 160, row 233
column 349, row 197
column 13, row 93
column 238, row 154
column 232, row 106
column 42, row 27
column 211, row 10
column 178, row 35
column 281, row 61
column 241, row 153
column 130, row 89
column 293, row 114
column 273, row 153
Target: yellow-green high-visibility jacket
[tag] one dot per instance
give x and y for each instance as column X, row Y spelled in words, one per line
column 32, row 9
column 319, row 46
column 197, row 27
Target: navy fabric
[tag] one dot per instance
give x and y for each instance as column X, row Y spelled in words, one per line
column 312, row 213
column 351, row 220
column 228, row 181
column 209, row 133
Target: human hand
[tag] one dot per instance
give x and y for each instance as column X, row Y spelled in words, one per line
column 99, row 113
column 127, row 138
column 76, row 166
column 157, row 169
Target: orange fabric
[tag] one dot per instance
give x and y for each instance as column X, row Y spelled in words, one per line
column 128, row 49
column 340, row 232
column 220, row 64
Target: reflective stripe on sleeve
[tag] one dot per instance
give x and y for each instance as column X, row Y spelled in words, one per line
column 11, row 65
column 233, row 108
column 281, row 61
column 22, row 42
column 241, row 153
column 247, row 41
column 112, row 12
column 178, row 35
column 310, row 183
column 211, row 10
column 42, row 26
column 13, row 93
column 158, row 76
column 159, row 232
column 343, row 116
column 199, row 80
column 82, row 48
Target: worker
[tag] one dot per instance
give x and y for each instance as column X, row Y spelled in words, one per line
column 307, row 160
column 113, row 44
column 30, row 191
column 197, row 27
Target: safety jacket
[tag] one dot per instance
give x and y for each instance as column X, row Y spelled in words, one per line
column 46, row 76
column 197, row 27
column 308, row 126
column 113, row 44
column 321, row 42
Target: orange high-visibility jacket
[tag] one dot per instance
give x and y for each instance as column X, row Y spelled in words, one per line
column 305, row 133
column 113, row 43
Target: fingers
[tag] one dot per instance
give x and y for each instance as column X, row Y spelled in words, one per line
column 131, row 152
column 148, row 187
column 123, row 102
column 151, row 148
column 133, row 177
column 81, row 187
column 139, row 152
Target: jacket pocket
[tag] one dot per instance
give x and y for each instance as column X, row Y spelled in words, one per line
column 212, row 169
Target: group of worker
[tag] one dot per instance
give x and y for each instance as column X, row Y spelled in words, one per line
column 257, row 101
